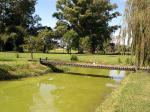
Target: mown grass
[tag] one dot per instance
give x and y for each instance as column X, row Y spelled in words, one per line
column 60, row 50
column 101, row 59
column 18, row 64
column 132, row 96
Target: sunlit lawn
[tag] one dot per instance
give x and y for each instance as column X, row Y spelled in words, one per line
column 7, row 57
column 23, row 67
column 132, row 96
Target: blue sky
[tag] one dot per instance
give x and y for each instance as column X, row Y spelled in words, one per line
column 45, row 9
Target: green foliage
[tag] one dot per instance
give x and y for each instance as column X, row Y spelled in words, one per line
column 17, row 55
column 129, row 61
column 85, row 44
column 74, row 58
column 89, row 18
column 137, row 28
column 119, row 60
column 32, row 44
column 16, row 20
column 108, row 47
column 46, row 37
column 61, row 29
column 69, row 38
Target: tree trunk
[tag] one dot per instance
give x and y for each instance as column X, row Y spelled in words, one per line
column 32, row 55
column 93, row 48
column 80, row 50
column 44, row 49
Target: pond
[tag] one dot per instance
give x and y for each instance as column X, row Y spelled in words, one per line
column 77, row 90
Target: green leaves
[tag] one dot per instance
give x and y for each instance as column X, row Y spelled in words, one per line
column 137, row 25
column 69, row 39
column 88, row 18
column 69, row 36
column 16, row 16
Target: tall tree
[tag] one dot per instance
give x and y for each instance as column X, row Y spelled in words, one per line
column 47, row 39
column 32, row 44
column 89, row 18
column 69, row 39
column 16, row 16
column 138, row 29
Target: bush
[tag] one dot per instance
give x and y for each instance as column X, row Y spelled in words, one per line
column 127, row 61
column 119, row 60
column 130, row 61
column 17, row 55
column 74, row 58
column 5, row 75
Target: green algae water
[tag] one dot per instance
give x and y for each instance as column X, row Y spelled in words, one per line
column 78, row 90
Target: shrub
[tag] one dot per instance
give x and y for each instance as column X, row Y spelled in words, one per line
column 74, row 58
column 130, row 61
column 17, row 55
column 127, row 61
column 119, row 60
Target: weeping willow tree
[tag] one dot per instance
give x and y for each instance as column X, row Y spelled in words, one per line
column 137, row 27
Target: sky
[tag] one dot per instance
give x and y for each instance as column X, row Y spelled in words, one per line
column 46, row 8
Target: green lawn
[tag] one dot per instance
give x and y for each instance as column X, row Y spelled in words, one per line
column 21, row 67
column 24, row 57
column 132, row 96
column 60, row 50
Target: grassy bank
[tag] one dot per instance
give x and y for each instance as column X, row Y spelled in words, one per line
column 132, row 96
column 16, row 65
column 16, row 71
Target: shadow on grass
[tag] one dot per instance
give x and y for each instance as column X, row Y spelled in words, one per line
column 7, row 60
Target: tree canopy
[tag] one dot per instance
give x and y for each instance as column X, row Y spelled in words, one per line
column 16, row 16
column 89, row 18
column 138, row 29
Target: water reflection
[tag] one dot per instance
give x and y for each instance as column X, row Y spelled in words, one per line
column 44, row 100
column 117, row 75
column 58, row 93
